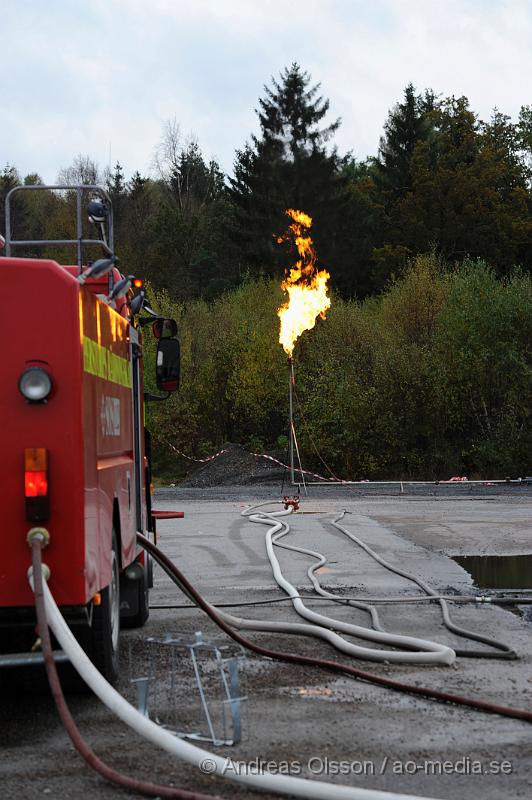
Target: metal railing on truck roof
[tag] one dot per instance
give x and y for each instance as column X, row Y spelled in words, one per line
column 79, row 241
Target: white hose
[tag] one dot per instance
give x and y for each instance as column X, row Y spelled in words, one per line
column 449, row 624
column 425, row 651
column 280, row 784
column 321, row 561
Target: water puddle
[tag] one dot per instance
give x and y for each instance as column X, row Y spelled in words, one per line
column 498, row 572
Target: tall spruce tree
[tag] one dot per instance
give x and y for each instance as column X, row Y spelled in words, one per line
column 287, row 165
column 189, row 220
column 116, row 186
column 407, row 124
column 467, row 196
column 135, row 235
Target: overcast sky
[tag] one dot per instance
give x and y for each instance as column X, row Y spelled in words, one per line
column 100, row 77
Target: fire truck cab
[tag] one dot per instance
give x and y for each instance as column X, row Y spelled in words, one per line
column 75, row 452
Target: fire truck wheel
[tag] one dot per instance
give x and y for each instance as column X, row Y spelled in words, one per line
column 144, row 601
column 105, row 629
column 134, row 596
column 149, row 570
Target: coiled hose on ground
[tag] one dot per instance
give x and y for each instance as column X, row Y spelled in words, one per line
column 281, row 784
column 265, row 781
column 440, row 653
column 426, row 652
column 504, row 650
column 175, row 574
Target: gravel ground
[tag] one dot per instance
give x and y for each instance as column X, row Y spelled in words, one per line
column 301, row 716
column 238, row 471
column 236, row 467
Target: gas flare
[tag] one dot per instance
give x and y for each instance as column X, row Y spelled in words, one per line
column 305, row 285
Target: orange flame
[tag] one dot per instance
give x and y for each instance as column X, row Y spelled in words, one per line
column 305, row 284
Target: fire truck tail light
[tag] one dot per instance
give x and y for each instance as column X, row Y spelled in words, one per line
column 36, row 484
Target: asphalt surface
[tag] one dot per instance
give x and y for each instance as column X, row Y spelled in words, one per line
column 316, row 724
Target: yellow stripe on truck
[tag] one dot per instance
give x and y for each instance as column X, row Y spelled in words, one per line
column 100, row 361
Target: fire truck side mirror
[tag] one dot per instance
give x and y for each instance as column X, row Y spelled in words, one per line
column 168, row 367
column 164, row 328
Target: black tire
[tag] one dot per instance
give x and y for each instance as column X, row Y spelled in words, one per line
column 135, row 596
column 104, row 636
column 144, row 602
column 149, row 569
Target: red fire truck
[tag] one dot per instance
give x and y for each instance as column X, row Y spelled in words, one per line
column 75, row 453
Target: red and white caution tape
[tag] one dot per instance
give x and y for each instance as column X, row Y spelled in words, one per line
column 334, row 479
column 303, row 471
column 257, row 455
column 191, row 458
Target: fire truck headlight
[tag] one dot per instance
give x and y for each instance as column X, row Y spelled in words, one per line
column 35, row 384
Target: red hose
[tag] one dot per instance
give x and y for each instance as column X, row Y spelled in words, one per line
column 107, row 772
column 389, row 683
column 168, row 514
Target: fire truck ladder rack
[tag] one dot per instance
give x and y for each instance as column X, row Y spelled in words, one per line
column 79, row 241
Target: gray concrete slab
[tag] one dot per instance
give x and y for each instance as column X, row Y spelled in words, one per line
column 315, row 722
column 224, row 554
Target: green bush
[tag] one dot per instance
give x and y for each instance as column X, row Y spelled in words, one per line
column 428, row 380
